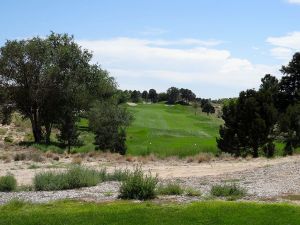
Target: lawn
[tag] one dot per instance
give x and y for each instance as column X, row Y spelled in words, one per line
column 125, row 213
column 171, row 130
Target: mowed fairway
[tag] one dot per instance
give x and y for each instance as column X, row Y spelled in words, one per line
column 171, row 130
column 126, row 213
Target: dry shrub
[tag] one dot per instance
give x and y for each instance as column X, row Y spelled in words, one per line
column 35, row 157
column 226, row 156
column 204, row 157
column 56, row 158
column 20, row 157
column 190, row 159
column 4, row 157
column 77, row 160
column 49, row 154
column 130, row 158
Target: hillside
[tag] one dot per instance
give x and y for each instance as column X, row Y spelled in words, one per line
column 168, row 130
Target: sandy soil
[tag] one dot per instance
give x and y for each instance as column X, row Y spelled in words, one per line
column 166, row 169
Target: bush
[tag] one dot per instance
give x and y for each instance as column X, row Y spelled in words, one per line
column 8, row 183
column 269, row 149
column 75, row 177
column 170, row 189
column 231, row 191
column 138, row 186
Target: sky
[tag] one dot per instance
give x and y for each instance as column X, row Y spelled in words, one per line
column 215, row 48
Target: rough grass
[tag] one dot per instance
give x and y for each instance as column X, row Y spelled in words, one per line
column 171, row 188
column 229, row 191
column 128, row 213
column 75, row 177
column 8, row 183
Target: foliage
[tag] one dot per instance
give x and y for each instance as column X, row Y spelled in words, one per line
column 44, row 77
column 8, row 183
column 108, row 121
column 153, row 97
column 138, row 186
column 173, row 95
column 249, row 123
column 135, row 96
column 75, row 177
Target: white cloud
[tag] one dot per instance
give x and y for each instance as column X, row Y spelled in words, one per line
column 294, row 1
column 189, row 63
column 285, row 46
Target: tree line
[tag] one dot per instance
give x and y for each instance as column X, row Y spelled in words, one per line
column 255, row 120
column 173, row 95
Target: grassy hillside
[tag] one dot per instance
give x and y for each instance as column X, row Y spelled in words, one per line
column 171, row 130
column 210, row 212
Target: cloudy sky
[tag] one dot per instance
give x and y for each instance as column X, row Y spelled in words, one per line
column 216, row 48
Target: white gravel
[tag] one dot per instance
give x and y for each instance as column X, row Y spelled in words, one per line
column 263, row 183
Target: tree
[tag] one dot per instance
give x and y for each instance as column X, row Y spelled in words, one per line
column 109, row 121
column 173, row 95
column 145, row 96
column 135, row 96
column 68, row 132
column 290, row 126
column 208, row 108
column 289, row 86
column 249, row 123
column 187, row 95
column 153, row 96
column 163, row 96
column 45, row 76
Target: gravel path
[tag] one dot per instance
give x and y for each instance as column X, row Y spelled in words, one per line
column 262, row 183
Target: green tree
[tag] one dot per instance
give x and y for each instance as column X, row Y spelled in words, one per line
column 135, row 96
column 145, row 96
column 249, row 123
column 153, row 96
column 173, row 95
column 45, row 76
column 109, row 121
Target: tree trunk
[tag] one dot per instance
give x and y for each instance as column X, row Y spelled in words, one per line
column 48, row 128
column 36, row 127
column 255, row 152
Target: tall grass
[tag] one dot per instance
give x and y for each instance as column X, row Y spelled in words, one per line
column 75, row 177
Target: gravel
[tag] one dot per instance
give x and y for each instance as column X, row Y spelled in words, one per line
column 263, row 183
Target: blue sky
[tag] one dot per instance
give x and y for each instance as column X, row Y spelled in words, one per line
column 216, row 48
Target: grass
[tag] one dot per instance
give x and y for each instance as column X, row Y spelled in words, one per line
column 127, row 213
column 170, row 189
column 229, row 191
column 171, row 130
column 75, row 177
column 8, row 183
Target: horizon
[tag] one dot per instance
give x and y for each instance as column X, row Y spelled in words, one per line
column 216, row 49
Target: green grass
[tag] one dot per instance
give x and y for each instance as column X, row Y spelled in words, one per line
column 171, row 130
column 127, row 213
